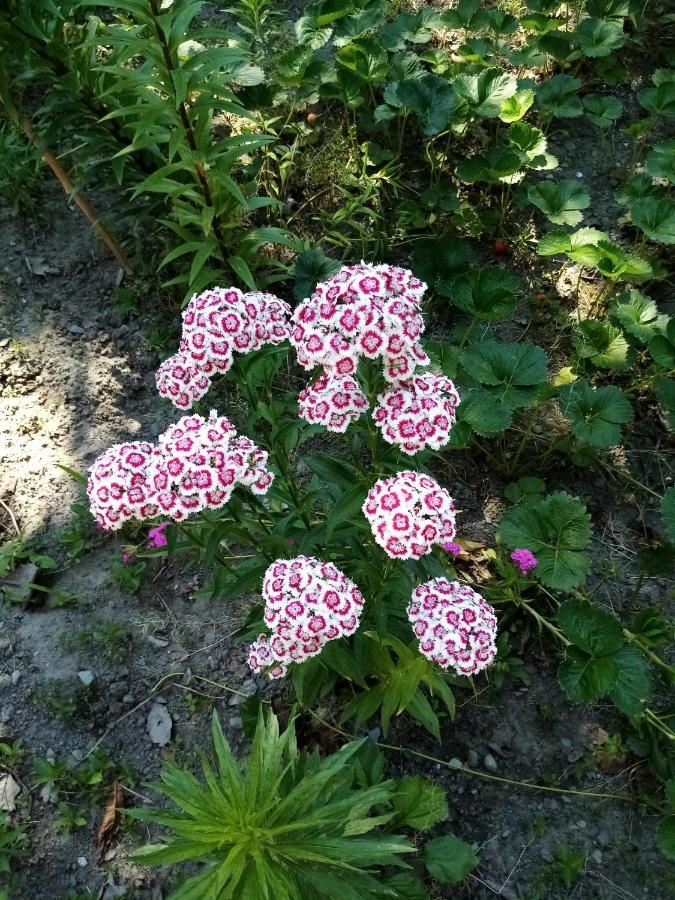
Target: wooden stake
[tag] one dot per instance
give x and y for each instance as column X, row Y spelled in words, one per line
column 81, row 201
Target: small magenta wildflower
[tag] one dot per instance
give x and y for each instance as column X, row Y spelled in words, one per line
column 452, row 547
column 127, row 558
column 525, row 560
column 156, row 536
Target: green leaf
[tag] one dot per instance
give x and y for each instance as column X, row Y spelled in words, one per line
column 670, row 792
column 602, row 110
column 583, row 240
column 662, row 347
column 636, row 188
column 596, row 414
column 419, row 803
column 660, row 163
column 668, row 513
column 468, row 14
column 665, row 837
column 656, row 217
column 483, row 412
column 311, row 267
column 439, row 260
column 602, row 344
column 638, row 315
column 596, row 632
column 430, row 97
column 498, row 164
column 664, row 388
column 448, row 859
column 485, row 293
column 532, row 144
column 599, row 37
column 659, row 100
column 557, row 97
column 633, row 687
column 346, row 509
column 483, row 94
column 585, row 679
column 332, row 471
column 557, row 530
column 560, row 201
column 514, row 108
column 514, row 372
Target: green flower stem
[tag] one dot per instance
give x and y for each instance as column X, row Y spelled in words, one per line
column 637, row 641
column 542, row 620
column 657, row 722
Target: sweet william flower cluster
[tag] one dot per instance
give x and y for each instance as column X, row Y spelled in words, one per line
column 454, row 625
column 217, row 324
column 409, row 513
column 365, row 312
column 195, row 465
column 307, row 604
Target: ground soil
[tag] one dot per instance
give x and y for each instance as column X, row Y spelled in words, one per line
column 76, row 375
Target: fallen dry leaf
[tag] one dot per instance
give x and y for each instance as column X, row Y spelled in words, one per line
column 37, row 265
column 9, row 791
column 111, row 819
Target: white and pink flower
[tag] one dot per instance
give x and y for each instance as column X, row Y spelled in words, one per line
column 216, row 324
column 417, row 413
column 307, row 603
column 409, row 513
column 195, row 465
column 370, row 311
column 334, row 401
column 454, row 625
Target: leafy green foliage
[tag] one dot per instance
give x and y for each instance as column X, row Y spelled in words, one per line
column 557, row 530
column 599, row 37
column 602, row 110
column 557, row 97
column 660, row 163
column 662, row 347
column 484, row 94
column 440, row 261
column 497, row 165
column 668, row 512
column 636, row 188
column 656, row 217
column 659, row 100
column 599, row 662
column 602, row 344
column 513, row 108
column 286, row 825
column 430, row 97
column 590, row 247
column 400, row 672
column 665, row 832
column 560, row 201
column 449, row 859
column 596, row 414
column 419, row 804
column 311, row 267
column 485, row 293
column 512, row 373
column 638, row 315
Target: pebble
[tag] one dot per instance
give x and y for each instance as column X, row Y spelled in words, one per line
column 16, row 675
column 596, row 856
column 581, row 823
column 455, row 763
column 472, row 758
column 86, row 677
column 82, row 861
column 157, row 642
column 490, row 762
column 235, row 722
column 603, row 837
column 375, row 733
column 76, row 329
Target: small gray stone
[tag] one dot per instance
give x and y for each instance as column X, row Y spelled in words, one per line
column 375, row 733
column 581, row 823
column 16, row 675
column 76, row 329
column 86, row 677
column 472, row 759
column 82, row 861
column 235, row 722
column 490, row 762
column 159, row 725
column 455, row 763
column 596, row 856
column 157, row 642
column 603, row 837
